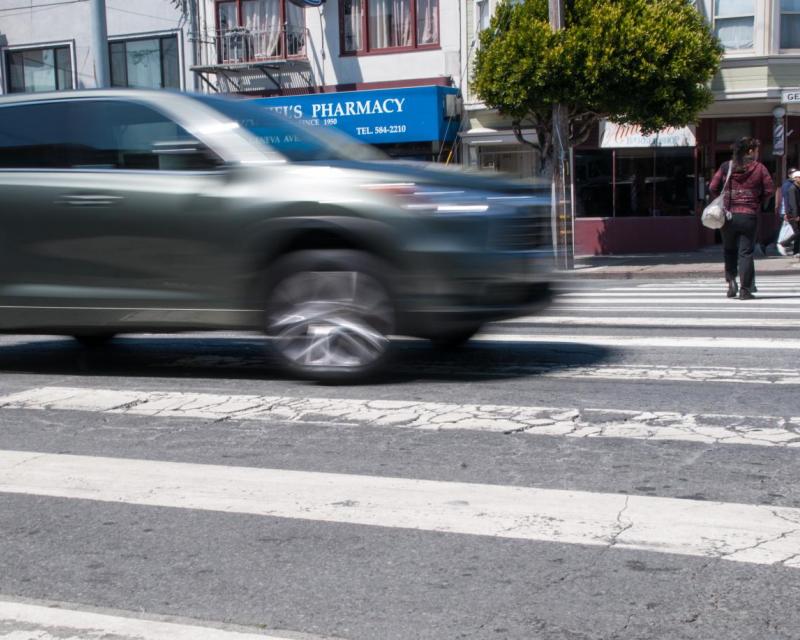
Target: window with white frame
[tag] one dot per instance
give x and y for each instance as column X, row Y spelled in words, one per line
column 373, row 25
column 41, row 69
column 790, row 24
column 734, row 22
column 145, row 63
column 483, row 14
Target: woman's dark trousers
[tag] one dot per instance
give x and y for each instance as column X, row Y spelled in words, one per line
column 738, row 241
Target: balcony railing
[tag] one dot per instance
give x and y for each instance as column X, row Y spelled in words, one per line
column 240, row 44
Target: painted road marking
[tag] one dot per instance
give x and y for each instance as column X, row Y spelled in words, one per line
column 709, row 323
column 25, row 621
column 757, row 534
column 677, row 342
column 766, row 431
column 598, row 299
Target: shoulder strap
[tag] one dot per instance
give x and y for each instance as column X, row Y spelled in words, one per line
column 727, row 179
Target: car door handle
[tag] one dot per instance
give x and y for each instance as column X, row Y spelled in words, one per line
column 89, row 200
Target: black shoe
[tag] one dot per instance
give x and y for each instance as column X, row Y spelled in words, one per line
column 733, row 289
column 744, row 294
column 753, row 289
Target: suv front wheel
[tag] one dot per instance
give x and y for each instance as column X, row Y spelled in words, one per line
column 330, row 314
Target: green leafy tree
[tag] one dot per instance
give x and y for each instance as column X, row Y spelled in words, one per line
column 641, row 62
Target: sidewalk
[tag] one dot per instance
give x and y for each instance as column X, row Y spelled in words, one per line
column 706, row 262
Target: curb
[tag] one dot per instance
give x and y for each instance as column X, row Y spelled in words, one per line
column 655, row 275
column 635, row 273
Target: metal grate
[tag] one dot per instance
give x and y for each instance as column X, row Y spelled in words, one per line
column 519, row 233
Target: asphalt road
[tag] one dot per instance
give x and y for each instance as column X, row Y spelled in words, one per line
column 623, row 467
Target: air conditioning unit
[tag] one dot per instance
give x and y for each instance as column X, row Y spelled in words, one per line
column 452, row 105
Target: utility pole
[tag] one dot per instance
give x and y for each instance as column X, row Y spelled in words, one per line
column 561, row 206
column 102, row 72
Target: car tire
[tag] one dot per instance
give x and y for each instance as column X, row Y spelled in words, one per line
column 330, row 314
column 454, row 339
column 94, row 340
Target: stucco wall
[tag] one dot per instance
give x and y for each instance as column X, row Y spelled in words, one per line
column 334, row 68
column 71, row 24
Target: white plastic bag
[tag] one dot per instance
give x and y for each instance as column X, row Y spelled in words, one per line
column 785, row 238
column 714, row 214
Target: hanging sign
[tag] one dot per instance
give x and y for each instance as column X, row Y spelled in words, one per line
column 621, row 136
column 308, row 3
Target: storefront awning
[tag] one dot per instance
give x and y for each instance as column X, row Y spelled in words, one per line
column 625, row 136
column 382, row 116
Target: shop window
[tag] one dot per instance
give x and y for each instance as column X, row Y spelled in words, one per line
column 46, row 69
column 790, row 24
column 731, row 130
column 733, row 23
column 594, row 195
column 387, row 25
column 514, row 161
column 150, row 63
column 253, row 30
column 635, row 182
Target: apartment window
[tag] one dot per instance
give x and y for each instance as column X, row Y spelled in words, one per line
column 790, row 24
column 145, row 63
column 386, row 25
column 252, row 30
column 46, row 69
column 733, row 23
column 483, row 15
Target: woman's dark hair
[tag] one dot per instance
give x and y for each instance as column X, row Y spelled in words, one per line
column 743, row 148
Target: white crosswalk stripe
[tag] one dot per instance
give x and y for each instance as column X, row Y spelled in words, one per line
column 56, row 622
column 659, row 342
column 740, row 532
column 767, row 431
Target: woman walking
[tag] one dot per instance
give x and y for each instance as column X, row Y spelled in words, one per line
column 747, row 186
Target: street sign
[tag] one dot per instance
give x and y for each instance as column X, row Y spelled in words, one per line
column 789, row 96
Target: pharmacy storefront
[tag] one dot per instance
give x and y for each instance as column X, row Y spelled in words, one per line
column 417, row 123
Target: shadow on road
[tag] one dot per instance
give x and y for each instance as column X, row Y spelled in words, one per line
column 249, row 358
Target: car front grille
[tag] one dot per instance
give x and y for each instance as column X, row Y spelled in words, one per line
column 519, row 233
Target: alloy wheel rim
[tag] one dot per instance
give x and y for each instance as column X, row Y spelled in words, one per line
column 330, row 319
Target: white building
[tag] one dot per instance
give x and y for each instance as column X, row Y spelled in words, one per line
column 270, row 49
column 45, row 45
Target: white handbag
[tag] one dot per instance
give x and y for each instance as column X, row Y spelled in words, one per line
column 785, row 239
column 715, row 214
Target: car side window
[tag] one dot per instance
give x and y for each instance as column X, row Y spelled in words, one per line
column 98, row 134
column 35, row 136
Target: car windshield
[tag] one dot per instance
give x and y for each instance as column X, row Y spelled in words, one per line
column 299, row 143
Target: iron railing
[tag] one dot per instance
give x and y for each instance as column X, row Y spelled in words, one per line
column 240, row 44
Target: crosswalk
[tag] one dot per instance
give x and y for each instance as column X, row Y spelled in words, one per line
column 671, row 340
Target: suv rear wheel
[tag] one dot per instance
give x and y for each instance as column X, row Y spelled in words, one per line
column 330, row 314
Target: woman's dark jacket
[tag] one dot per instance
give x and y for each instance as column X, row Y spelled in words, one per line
column 749, row 188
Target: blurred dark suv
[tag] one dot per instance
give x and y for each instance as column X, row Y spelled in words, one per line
column 141, row 211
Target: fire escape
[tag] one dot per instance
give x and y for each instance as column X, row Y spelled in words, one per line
column 241, row 60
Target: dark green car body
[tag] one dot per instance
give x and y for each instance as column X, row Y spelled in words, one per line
column 142, row 211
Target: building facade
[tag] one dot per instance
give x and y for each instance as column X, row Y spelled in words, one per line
column 46, row 46
column 394, row 65
column 635, row 193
